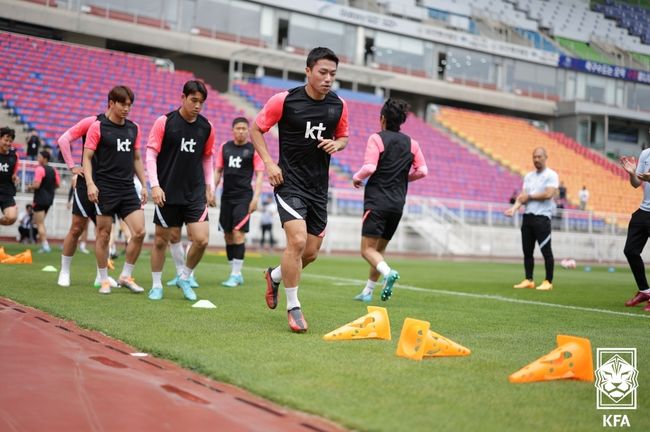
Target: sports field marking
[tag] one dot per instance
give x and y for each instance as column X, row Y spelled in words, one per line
column 399, row 286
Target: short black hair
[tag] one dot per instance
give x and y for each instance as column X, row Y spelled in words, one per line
column 240, row 120
column 120, row 94
column 46, row 154
column 28, row 207
column 8, row 131
column 395, row 112
column 320, row 53
column 193, row 86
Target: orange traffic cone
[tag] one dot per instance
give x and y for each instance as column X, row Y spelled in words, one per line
column 570, row 360
column 412, row 339
column 21, row 258
column 436, row 345
column 3, row 254
column 373, row 325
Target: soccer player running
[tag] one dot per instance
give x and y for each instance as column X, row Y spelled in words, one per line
column 537, row 195
column 313, row 124
column 82, row 208
column 236, row 161
column 180, row 171
column 46, row 180
column 111, row 157
column 392, row 160
column 639, row 226
column 8, row 176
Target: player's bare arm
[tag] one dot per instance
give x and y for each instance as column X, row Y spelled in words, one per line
column 333, row 146
column 93, row 192
column 259, row 180
column 139, row 171
column 272, row 169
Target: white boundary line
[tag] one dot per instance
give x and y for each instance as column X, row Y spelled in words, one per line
column 358, row 282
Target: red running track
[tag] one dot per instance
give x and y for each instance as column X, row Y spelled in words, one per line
column 55, row 376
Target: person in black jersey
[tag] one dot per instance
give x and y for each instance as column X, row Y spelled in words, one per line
column 111, row 157
column 313, row 124
column 236, row 161
column 391, row 161
column 46, row 180
column 82, row 209
column 180, row 172
column 8, row 178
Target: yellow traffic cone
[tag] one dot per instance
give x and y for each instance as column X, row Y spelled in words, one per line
column 412, row 339
column 436, row 345
column 373, row 325
column 572, row 359
column 21, row 258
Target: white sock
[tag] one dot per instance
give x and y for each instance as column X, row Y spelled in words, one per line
column 65, row 264
column 127, row 270
column 178, row 255
column 646, row 291
column 186, row 272
column 98, row 278
column 276, row 274
column 112, row 249
column 236, row 266
column 187, row 248
column 82, row 245
column 292, row 297
column 192, row 274
column 157, row 279
column 370, row 286
column 383, row 268
column 103, row 274
column 46, row 245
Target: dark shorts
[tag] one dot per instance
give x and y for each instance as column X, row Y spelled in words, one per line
column 175, row 215
column 295, row 207
column 6, row 202
column 378, row 223
column 112, row 203
column 41, row 207
column 234, row 216
column 81, row 206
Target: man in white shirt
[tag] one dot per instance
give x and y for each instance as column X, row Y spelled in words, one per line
column 637, row 231
column 583, row 195
column 537, row 195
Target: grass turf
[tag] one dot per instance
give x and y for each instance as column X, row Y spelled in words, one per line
column 362, row 384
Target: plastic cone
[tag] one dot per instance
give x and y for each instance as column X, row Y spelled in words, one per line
column 373, row 325
column 436, row 345
column 21, row 258
column 572, row 359
column 412, row 339
column 3, row 254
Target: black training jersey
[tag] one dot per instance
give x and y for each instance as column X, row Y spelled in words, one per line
column 49, row 179
column 181, row 148
column 8, row 168
column 302, row 123
column 238, row 163
column 115, row 146
column 387, row 186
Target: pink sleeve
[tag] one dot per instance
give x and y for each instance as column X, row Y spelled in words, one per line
column 208, row 170
column 151, row 165
column 137, row 136
column 374, row 147
column 342, row 129
column 74, row 133
column 39, row 173
column 258, row 164
column 156, row 134
column 57, row 178
column 419, row 165
column 208, row 150
column 17, row 163
column 93, row 136
column 271, row 112
column 219, row 157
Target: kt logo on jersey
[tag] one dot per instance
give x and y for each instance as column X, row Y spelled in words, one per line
column 616, row 378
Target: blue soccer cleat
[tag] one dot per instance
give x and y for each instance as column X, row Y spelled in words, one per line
column 193, row 282
column 173, row 282
column 188, row 292
column 156, row 293
column 389, row 281
column 233, row 281
column 363, row 297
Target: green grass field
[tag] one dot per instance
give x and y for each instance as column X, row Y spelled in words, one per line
column 363, row 384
